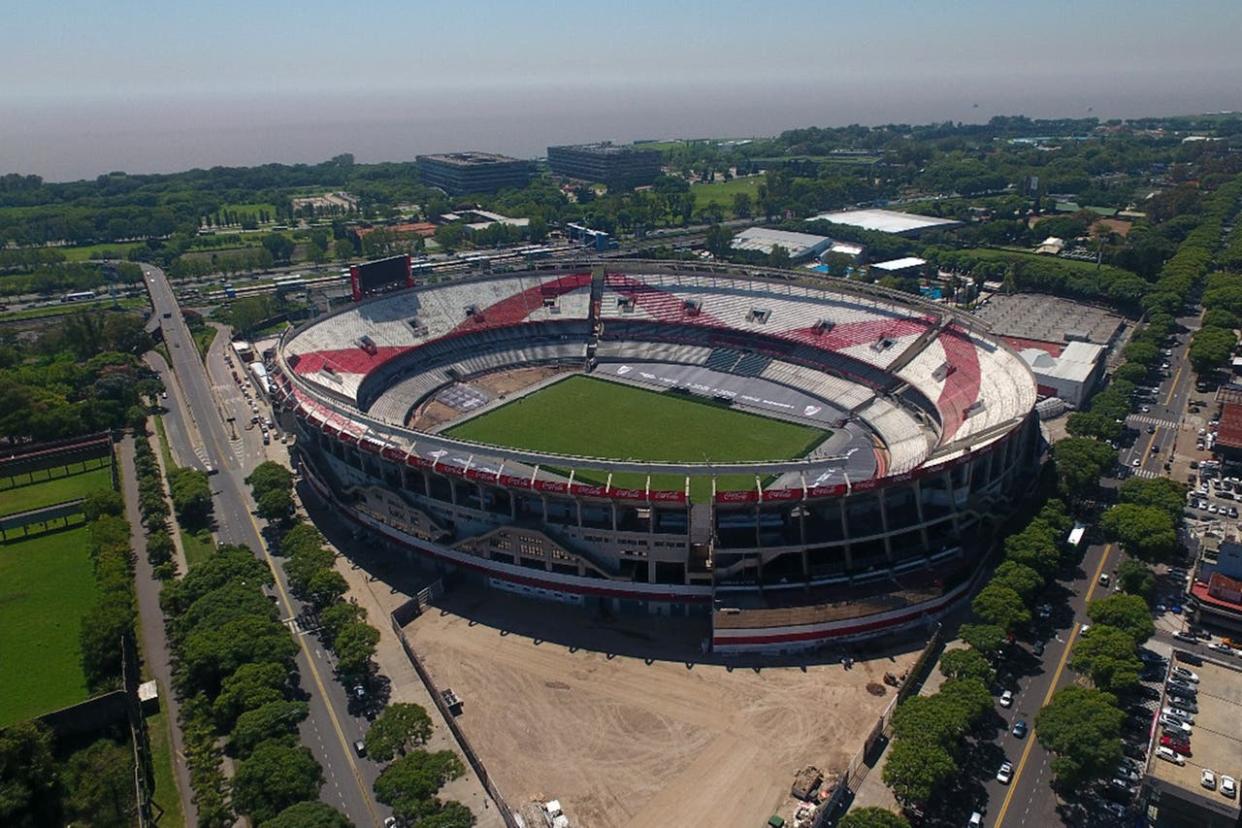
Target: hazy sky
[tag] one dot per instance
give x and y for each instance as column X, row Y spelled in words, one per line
column 91, row 86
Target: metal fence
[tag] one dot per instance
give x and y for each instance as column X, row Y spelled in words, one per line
column 401, row 616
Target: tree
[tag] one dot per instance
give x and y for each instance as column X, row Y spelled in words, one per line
column 410, row 784
column 1136, row 578
column 1091, row 424
column 1021, row 578
column 274, row 505
column 250, row 687
column 1160, row 492
column 1107, row 656
column 339, row 616
column 1145, row 531
column 309, row 815
column 354, row 647
column 29, row 776
column 778, row 257
column 986, row 638
column 1083, row 728
column 917, row 769
column 343, row 250
column 326, row 587
column 102, row 502
column 450, row 814
column 274, row 777
column 280, row 246
column 1035, row 547
column 275, row 720
column 1080, row 461
column 967, row 662
column 999, row 605
column 718, row 240
column 400, row 727
column 872, row 817
column 268, row 476
column 1211, row 348
column 208, row 655
column 1129, row 613
column 99, row 781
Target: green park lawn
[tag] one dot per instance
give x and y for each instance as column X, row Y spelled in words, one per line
column 18, row 495
column 95, row 251
column 47, row 584
column 722, row 192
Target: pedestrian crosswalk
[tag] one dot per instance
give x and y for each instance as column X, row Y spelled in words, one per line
column 1146, row 473
column 1147, row 419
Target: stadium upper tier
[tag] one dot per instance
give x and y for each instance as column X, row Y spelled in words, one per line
column 930, row 382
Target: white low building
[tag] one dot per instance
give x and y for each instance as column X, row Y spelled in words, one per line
column 764, row 239
column 1072, row 375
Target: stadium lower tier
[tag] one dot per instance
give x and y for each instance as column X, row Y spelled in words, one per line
column 788, row 573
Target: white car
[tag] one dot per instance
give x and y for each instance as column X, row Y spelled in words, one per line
column 1229, row 786
column 1083, row 629
column 1006, row 698
column 1136, row 463
column 1220, row 648
column 1170, row 755
column 1179, row 713
column 1208, row 779
column 1186, row 675
column 1175, row 724
column 1006, row 773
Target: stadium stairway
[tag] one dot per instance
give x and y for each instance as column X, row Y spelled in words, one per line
column 916, row 347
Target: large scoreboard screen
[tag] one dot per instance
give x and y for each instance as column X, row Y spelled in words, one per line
column 380, row 276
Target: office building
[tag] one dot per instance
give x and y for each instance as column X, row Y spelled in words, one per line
column 618, row 166
column 458, row 173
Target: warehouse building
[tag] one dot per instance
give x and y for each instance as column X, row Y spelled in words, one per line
column 1071, row 375
column 458, row 173
column 887, row 221
column 618, row 166
column 763, row 240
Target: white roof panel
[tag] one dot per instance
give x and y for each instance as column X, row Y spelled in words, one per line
column 886, row 221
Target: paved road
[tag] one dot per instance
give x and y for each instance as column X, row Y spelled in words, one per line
column 330, row 729
column 1028, row 800
column 151, row 627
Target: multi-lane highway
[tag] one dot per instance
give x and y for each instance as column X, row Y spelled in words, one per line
column 1028, row 800
column 202, row 434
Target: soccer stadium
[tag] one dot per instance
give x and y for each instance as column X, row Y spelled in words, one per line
column 800, row 463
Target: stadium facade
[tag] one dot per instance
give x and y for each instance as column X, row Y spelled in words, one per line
column 879, row 528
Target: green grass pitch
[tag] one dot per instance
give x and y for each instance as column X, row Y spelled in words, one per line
column 597, row 418
column 47, row 584
column 16, row 495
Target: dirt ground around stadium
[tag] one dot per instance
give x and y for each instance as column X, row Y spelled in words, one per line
column 623, row 740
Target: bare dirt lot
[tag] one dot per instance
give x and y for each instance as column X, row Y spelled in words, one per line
column 622, row 740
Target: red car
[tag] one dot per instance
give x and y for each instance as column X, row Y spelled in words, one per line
column 1178, row 745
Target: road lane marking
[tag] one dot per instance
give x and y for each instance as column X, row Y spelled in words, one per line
column 1030, row 736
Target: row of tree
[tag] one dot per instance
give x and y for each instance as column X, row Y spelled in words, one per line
column 308, row 564
column 933, row 735
column 112, row 617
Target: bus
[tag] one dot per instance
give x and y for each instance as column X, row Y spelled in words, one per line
column 78, row 296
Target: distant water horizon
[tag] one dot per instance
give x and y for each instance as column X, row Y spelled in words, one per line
column 70, row 140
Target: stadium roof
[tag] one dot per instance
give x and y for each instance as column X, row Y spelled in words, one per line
column 885, row 221
column 763, row 239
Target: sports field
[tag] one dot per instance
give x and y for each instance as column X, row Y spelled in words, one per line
column 47, row 584
column 16, row 495
column 596, row 418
